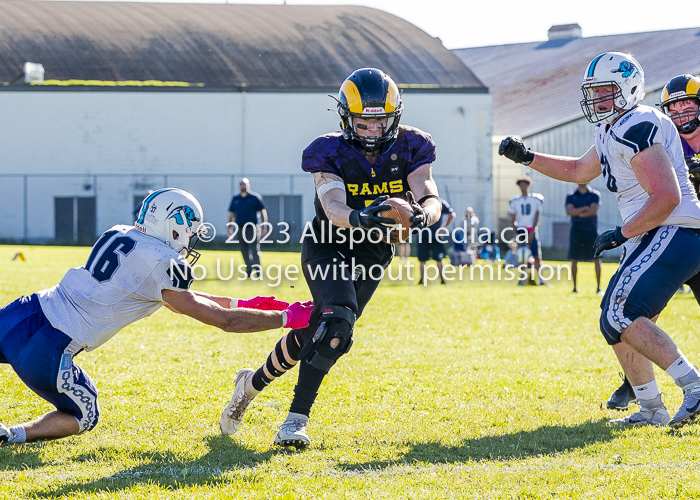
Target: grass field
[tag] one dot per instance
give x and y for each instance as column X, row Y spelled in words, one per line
column 474, row 390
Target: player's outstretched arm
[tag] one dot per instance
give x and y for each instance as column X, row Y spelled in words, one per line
column 221, row 300
column 423, row 185
column 564, row 168
column 240, row 320
column 268, row 303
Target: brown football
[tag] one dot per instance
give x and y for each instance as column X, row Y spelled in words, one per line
column 401, row 213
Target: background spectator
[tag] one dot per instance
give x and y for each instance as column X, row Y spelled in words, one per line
column 246, row 211
column 582, row 206
column 525, row 211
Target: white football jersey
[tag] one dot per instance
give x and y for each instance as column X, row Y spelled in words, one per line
column 121, row 282
column 525, row 208
column 637, row 130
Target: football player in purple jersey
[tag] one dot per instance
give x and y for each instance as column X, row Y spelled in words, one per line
column 355, row 170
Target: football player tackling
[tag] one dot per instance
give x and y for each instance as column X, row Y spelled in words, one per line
column 354, row 171
column 130, row 273
column 639, row 152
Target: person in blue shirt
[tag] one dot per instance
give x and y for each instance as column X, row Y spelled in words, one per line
column 431, row 247
column 582, row 206
column 243, row 214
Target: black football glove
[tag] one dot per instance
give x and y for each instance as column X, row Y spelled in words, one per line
column 515, row 150
column 693, row 163
column 369, row 216
column 420, row 217
column 607, row 240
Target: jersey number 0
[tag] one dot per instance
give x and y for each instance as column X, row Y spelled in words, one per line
column 610, row 181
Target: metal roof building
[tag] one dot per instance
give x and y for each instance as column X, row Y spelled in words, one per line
column 141, row 95
column 536, row 94
column 256, row 47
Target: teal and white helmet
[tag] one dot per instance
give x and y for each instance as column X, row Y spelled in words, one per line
column 620, row 71
column 174, row 217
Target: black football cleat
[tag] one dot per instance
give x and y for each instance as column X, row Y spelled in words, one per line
column 622, row 397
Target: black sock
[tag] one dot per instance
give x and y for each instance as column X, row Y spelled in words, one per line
column 306, row 390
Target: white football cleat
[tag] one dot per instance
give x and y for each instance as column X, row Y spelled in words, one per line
column 657, row 416
column 690, row 408
column 232, row 416
column 293, row 433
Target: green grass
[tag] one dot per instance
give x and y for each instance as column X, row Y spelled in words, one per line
column 474, row 390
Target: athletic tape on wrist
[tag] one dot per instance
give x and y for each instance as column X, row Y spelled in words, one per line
column 324, row 188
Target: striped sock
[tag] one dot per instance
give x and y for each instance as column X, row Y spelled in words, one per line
column 282, row 358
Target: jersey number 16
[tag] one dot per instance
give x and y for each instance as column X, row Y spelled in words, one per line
column 108, row 263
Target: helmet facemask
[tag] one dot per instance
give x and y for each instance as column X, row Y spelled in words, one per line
column 370, row 130
column 590, row 103
column 686, row 121
column 182, row 231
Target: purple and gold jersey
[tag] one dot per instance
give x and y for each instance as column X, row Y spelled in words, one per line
column 688, row 151
column 365, row 182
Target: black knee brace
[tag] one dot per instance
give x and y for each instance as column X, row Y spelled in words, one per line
column 332, row 338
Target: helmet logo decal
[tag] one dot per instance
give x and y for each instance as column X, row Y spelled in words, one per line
column 190, row 216
column 373, row 110
column 626, row 68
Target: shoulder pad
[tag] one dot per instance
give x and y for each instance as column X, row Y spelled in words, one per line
column 640, row 136
column 323, row 142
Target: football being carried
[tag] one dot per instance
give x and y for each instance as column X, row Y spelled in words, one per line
column 401, row 213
